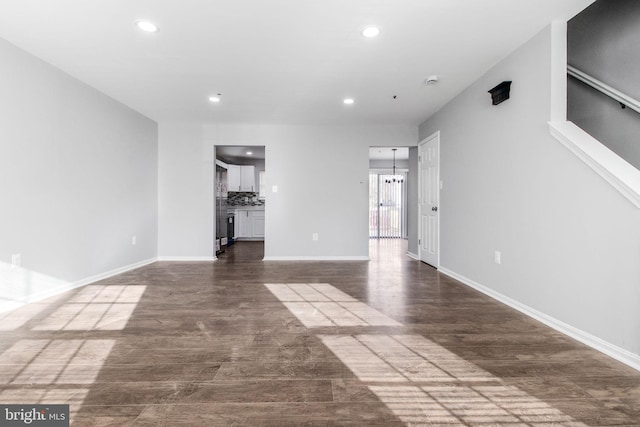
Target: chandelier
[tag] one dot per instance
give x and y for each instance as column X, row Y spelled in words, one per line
column 394, row 179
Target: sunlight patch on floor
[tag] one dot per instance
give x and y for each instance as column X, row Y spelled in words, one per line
column 422, row 382
column 95, row 307
column 12, row 320
column 20, row 286
column 321, row 305
column 459, row 392
column 54, row 361
column 390, row 353
column 63, row 370
column 463, row 405
column 362, row 361
column 308, row 292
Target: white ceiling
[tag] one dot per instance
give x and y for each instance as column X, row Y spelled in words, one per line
column 238, row 152
column 235, row 152
column 278, row 61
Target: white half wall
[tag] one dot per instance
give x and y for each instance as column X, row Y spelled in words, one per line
column 570, row 243
column 185, row 193
column 79, row 174
column 322, row 175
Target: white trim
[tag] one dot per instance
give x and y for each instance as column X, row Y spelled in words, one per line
column 73, row 285
column 388, row 171
column 187, row 258
column 611, row 350
column 114, row 272
column 614, row 169
column 412, row 255
column 316, row 258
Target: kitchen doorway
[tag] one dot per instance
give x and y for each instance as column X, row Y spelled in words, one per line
column 388, row 173
column 240, row 200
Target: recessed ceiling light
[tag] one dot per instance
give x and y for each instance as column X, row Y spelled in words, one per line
column 370, row 31
column 147, row 26
column 249, row 153
column 348, row 101
column 215, row 98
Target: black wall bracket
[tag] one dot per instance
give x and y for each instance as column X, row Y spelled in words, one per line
column 500, row 93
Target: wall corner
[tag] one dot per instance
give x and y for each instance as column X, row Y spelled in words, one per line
column 558, row 71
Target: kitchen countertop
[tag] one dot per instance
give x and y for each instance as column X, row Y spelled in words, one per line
column 245, row 208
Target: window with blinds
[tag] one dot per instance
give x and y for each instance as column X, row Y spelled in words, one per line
column 387, row 206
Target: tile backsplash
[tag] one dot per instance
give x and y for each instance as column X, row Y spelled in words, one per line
column 244, row 198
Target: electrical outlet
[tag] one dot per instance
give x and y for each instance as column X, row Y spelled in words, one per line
column 134, row 239
column 497, row 257
column 16, row 260
column 314, row 236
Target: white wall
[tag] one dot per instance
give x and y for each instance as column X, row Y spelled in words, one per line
column 79, row 174
column 387, row 164
column 412, row 203
column 570, row 243
column 185, row 193
column 321, row 173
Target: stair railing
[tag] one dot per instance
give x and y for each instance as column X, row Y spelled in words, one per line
column 624, row 99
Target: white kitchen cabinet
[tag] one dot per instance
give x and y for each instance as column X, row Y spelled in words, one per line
column 233, row 178
column 248, row 178
column 241, row 178
column 249, row 224
column 244, row 224
column 257, row 224
column 236, row 224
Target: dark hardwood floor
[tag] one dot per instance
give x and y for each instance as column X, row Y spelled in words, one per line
column 243, row 342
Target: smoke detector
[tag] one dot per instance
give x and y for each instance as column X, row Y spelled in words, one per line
column 431, row 80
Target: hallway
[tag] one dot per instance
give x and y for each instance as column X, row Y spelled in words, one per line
column 245, row 342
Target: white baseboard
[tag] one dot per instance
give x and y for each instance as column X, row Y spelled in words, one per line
column 316, row 258
column 39, row 296
column 187, row 258
column 412, row 255
column 611, row 350
column 113, row 272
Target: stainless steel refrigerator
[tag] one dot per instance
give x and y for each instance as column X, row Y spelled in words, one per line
column 221, row 210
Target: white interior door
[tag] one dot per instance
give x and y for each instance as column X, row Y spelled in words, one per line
column 429, row 189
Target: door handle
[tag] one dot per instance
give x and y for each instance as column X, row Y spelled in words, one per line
column 435, row 209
